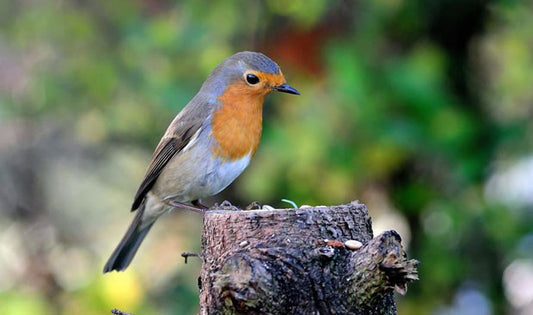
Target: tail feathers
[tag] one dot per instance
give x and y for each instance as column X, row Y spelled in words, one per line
column 128, row 246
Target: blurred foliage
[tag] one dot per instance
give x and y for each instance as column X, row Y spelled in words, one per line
column 420, row 109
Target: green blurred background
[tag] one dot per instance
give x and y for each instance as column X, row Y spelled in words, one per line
column 420, row 109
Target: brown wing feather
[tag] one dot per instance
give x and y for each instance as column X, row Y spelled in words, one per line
column 167, row 148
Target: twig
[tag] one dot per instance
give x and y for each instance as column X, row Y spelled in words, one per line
column 118, row 312
column 187, row 255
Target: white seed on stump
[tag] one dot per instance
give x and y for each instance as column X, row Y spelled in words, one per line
column 353, row 244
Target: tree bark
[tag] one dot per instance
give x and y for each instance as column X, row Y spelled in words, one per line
column 296, row 261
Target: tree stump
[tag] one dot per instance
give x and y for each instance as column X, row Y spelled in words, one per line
column 296, row 261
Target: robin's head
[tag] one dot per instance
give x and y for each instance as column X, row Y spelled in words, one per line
column 249, row 72
column 240, row 84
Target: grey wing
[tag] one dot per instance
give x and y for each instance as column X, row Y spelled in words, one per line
column 169, row 146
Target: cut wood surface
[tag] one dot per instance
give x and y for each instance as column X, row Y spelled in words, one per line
column 297, row 261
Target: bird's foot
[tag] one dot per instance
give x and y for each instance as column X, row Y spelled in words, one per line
column 253, row 206
column 225, row 205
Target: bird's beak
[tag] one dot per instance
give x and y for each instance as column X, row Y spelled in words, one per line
column 285, row 88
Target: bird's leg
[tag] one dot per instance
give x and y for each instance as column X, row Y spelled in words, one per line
column 177, row 204
column 197, row 203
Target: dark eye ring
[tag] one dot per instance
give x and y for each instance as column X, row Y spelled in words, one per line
column 252, row 79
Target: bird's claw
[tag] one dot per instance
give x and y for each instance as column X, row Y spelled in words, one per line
column 225, row 205
column 253, row 206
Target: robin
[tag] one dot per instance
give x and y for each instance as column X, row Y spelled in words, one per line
column 207, row 145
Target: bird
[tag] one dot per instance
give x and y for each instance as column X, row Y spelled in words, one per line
column 206, row 147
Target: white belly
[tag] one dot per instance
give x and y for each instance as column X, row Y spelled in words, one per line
column 195, row 174
column 224, row 173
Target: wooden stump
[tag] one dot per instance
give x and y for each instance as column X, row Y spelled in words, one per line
column 294, row 261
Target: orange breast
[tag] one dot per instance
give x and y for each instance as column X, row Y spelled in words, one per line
column 237, row 124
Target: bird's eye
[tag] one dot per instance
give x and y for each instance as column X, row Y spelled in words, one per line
column 252, row 79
